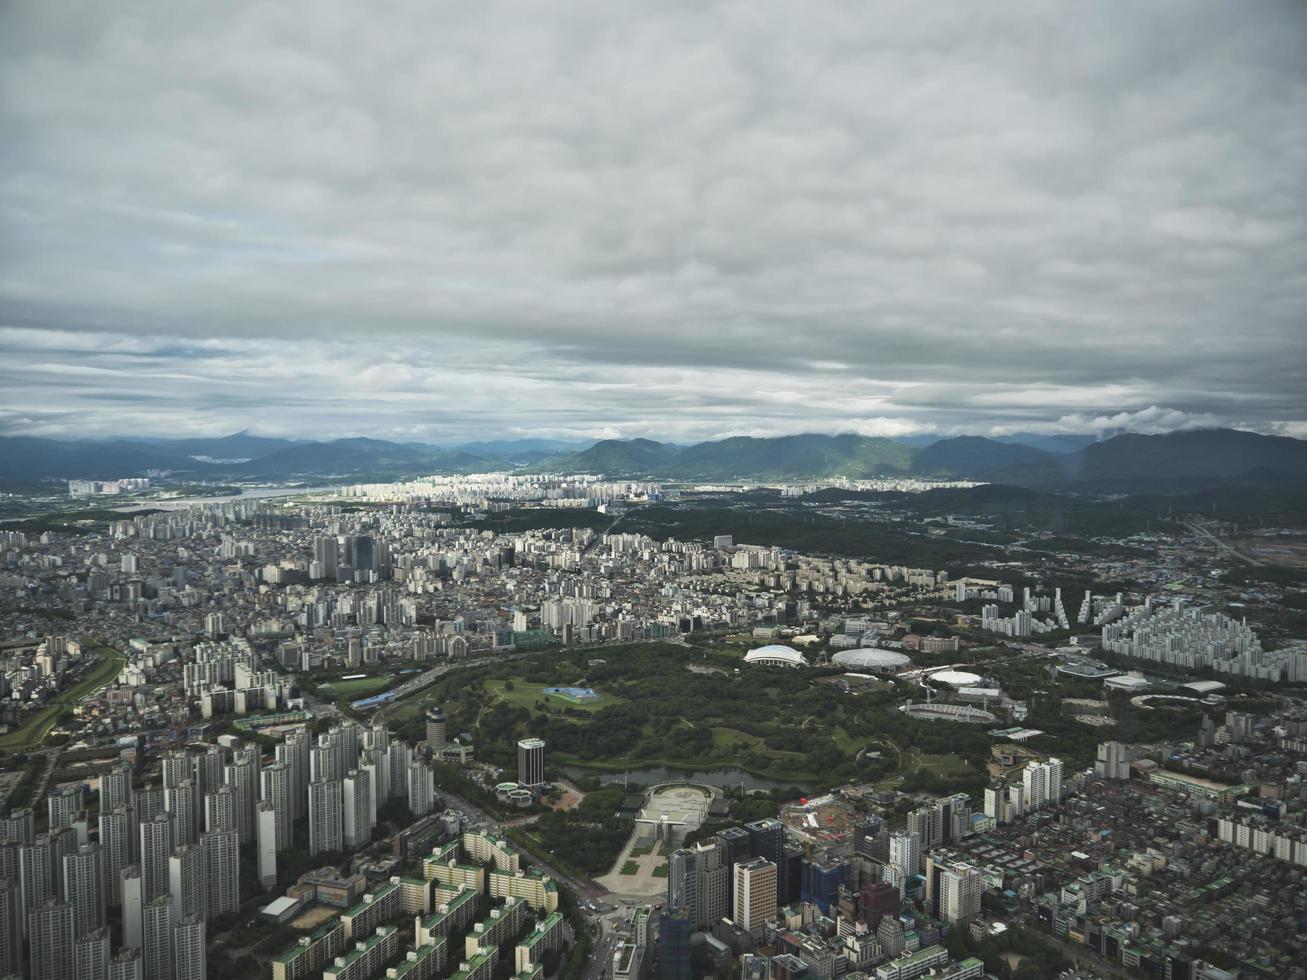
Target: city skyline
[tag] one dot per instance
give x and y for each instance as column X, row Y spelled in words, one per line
column 678, row 223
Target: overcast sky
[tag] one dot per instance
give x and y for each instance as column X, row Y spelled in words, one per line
column 444, row 221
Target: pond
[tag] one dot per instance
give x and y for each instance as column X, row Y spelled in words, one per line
column 723, row 778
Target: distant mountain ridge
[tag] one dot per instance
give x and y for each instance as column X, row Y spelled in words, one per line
column 1177, row 462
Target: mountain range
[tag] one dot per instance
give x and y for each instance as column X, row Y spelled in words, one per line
column 1175, row 462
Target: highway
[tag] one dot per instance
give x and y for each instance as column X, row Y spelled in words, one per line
column 1229, row 549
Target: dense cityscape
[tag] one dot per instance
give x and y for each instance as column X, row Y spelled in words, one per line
column 350, row 731
column 653, row 491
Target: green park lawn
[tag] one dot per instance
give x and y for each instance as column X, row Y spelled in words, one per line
column 32, row 732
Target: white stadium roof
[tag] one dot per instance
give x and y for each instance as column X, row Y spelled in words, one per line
column 872, row 658
column 776, row 654
column 956, row 678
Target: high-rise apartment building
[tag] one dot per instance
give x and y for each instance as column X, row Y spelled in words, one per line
column 188, row 886
column 11, row 927
column 276, row 791
column 182, row 802
column 326, row 824
column 266, row 818
column 63, row 803
column 84, row 887
column 50, row 941
column 157, row 939
column 1111, row 762
column 91, row 955
column 188, row 948
column 222, row 853
column 356, row 808
column 156, row 846
column 115, row 850
column 133, row 906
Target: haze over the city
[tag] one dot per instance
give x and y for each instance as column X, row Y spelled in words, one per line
column 439, row 222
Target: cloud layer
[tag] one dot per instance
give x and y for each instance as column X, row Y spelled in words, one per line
column 445, row 221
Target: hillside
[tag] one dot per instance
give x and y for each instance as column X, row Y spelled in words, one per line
column 972, row 455
column 1174, row 462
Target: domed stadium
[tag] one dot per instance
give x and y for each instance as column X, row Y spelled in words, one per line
column 955, row 678
column 776, row 655
column 872, row 659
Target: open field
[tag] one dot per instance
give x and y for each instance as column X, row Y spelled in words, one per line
column 530, row 695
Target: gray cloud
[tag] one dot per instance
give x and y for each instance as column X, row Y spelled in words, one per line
column 444, row 221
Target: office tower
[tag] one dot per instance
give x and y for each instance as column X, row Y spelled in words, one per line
column 133, row 905
column 326, row 826
column 222, row 851
column 157, row 919
column 116, row 787
column 18, row 825
column 84, row 887
column 241, row 775
column 35, row 873
column 326, row 554
column 714, row 886
column 182, row 802
column 62, row 843
column 50, row 941
column 1112, row 762
column 188, row 948
column 293, row 753
column 11, row 927
column 266, row 818
column 276, row 791
column 877, row 900
column 960, row 886
column 435, row 730
column 755, row 894
column 156, row 845
column 675, row 927
column 905, row 851
column 188, row 886
column 955, row 816
column 127, row 965
column 927, row 822
column 531, row 762
column 767, row 838
column 365, row 555
column 206, row 770
column 62, row 804
column 421, row 788
column 356, row 808
column 91, row 955
column 220, row 809
column 683, row 882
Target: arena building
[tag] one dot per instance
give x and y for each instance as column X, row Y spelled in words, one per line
column 872, row 660
column 776, row 655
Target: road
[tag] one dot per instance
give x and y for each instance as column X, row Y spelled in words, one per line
column 1229, row 549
